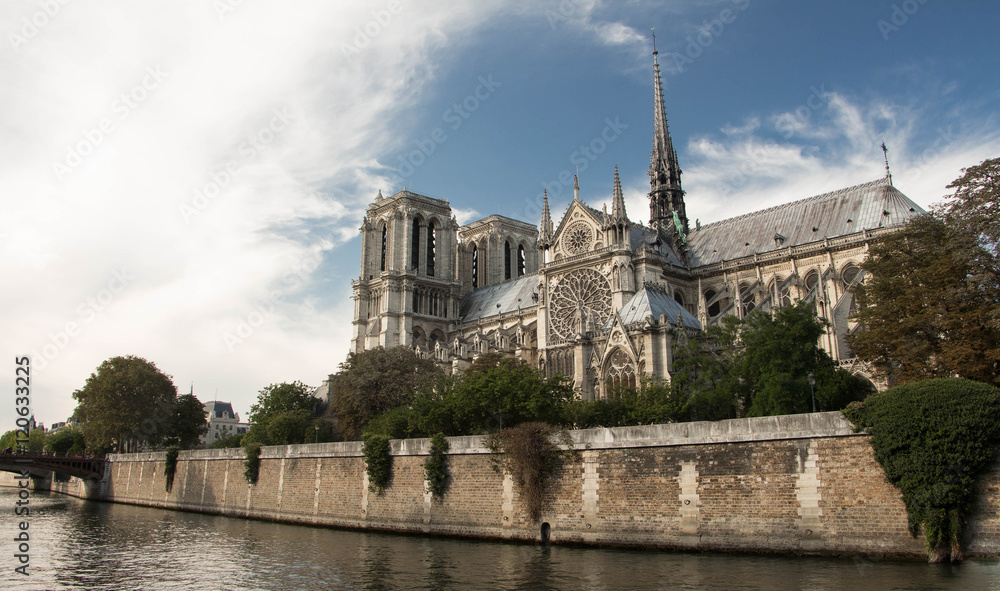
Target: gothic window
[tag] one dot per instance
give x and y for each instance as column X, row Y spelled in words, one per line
column 415, row 245
column 581, row 298
column 385, row 235
column 812, row 282
column 520, row 260
column 620, row 372
column 475, row 266
column 713, row 309
column 579, row 238
column 679, row 297
column 416, row 301
column 431, row 238
column 850, row 275
column 506, row 259
column 747, row 299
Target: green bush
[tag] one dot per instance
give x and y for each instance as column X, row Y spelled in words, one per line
column 436, row 467
column 527, row 453
column 933, row 439
column 252, row 463
column 378, row 462
column 170, row 467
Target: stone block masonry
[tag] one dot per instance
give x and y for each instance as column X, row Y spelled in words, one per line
column 791, row 484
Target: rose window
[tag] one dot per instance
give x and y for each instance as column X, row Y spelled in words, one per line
column 583, row 296
column 578, row 238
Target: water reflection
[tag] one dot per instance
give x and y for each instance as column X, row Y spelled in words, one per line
column 85, row 545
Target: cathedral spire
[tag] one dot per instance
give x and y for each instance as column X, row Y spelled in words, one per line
column 667, row 213
column 618, row 200
column 576, row 188
column 545, row 226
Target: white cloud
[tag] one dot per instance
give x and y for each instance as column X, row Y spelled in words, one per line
column 238, row 155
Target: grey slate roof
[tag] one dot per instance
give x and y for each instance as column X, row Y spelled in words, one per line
column 482, row 302
column 652, row 301
column 869, row 205
column 218, row 408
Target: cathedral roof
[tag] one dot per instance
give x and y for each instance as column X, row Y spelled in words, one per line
column 870, row 205
column 653, row 301
column 482, row 302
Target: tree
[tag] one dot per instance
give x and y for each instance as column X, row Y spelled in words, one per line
column 934, row 438
column 126, row 403
column 931, row 304
column 66, row 440
column 976, row 202
column 234, row 440
column 281, row 415
column 373, row 381
column 187, row 422
column 760, row 366
column 496, row 391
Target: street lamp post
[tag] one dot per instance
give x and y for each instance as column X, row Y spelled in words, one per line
column 317, row 431
column 812, row 389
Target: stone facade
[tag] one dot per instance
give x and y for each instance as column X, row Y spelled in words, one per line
column 799, row 483
column 601, row 298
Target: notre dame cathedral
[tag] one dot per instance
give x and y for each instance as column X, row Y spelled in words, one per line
column 598, row 297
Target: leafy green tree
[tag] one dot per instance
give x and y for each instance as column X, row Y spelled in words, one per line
column 128, row 402
column 376, row 380
column 188, row 422
column 495, row 392
column 931, row 304
column 9, row 440
column 703, row 381
column 66, row 440
column 234, row 440
column 975, row 205
column 934, row 438
column 36, row 440
column 282, row 414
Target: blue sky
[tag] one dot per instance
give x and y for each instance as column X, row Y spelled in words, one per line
column 184, row 181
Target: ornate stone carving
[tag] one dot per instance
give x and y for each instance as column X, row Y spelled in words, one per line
column 578, row 238
column 579, row 299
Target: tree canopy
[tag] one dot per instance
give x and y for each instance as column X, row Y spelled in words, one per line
column 759, row 366
column 934, row 438
column 126, row 403
column 188, row 422
column 375, row 380
column 282, row 415
column 931, row 304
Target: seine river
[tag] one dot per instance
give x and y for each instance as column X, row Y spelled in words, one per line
column 78, row 544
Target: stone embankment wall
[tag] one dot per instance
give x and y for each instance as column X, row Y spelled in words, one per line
column 799, row 483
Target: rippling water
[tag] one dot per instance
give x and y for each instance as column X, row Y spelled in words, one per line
column 88, row 545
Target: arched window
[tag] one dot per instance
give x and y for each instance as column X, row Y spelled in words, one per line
column 431, row 238
column 812, row 281
column 415, row 245
column 713, row 309
column 506, row 259
column 416, row 301
column 385, row 236
column 850, row 275
column 679, row 297
column 620, row 372
column 520, row 260
column 748, row 299
column 475, row 266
